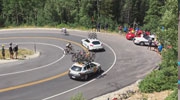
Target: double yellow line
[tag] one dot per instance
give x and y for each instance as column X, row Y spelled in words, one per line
column 43, row 80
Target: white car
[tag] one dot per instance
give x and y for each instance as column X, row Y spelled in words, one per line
column 92, row 44
column 84, row 70
column 143, row 40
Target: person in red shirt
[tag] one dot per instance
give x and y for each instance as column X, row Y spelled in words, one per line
column 139, row 33
column 147, row 33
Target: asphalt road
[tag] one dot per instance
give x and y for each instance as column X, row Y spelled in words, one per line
column 45, row 77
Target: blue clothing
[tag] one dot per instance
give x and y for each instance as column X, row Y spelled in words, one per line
column 125, row 29
column 137, row 29
column 178, row 63
column 160, row 47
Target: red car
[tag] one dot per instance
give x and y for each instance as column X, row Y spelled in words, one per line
column 130, row 36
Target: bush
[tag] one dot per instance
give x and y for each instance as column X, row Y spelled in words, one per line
column 159, row 80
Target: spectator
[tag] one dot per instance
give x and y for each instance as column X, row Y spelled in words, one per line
column 144, row 34
column 15, row 49
column 160, row 47
column 137, row 29
column 162, row 28
column 150, row 43
column 125, row 29
column 139, row 33
column 106, row 26
column 98, row 27
column 148, row 32
column 120, row 29
column 11, row 51
column 155, row 45
column 3, row 51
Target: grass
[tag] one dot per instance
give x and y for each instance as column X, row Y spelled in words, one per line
column 21, row 53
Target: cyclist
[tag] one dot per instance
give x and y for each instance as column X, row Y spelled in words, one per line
column 69, row 46
column 64, row 30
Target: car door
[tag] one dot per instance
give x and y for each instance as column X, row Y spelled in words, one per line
column 88, row 69
column 93, row 68
column 85, row 70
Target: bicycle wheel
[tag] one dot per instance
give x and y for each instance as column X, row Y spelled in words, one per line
column 72, row 50
column 66, row 51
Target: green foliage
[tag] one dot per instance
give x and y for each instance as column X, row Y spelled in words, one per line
column 74, row 12
column 173, row 96
column 159, row 80
column 154, row 14
column 79, row 96
column 166, row 77
column 169, row 58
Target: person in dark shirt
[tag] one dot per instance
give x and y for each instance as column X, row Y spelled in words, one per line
column 150, row 43
column 98, row 27
column 106, row 26
column 11, row 51
column 15, row 49
column 3, row 52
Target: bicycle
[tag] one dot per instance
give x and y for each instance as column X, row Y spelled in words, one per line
column 69, row 50
column 64, row 30
column 92, row 56
column 76, row 56
column 92, row 35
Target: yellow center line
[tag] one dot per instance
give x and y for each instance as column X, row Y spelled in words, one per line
column 33, row 83
column 43, row 80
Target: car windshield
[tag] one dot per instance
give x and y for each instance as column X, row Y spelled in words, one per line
column 96, row 42
column 76, row 68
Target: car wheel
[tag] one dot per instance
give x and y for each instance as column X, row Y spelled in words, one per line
column 99, row 70
column 141, row 43
column 86, row 77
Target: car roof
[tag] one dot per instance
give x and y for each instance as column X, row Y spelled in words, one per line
column 79, row 64
column 83, row 64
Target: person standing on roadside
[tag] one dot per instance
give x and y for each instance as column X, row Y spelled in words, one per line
column 3, row 51
column 11, row 51
column 15, row 49
column 120, row 29
column 150, row 43
column 98, row 27
column 106, row 26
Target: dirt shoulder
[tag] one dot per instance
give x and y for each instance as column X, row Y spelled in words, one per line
column 7, row 60
column 132, row 92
